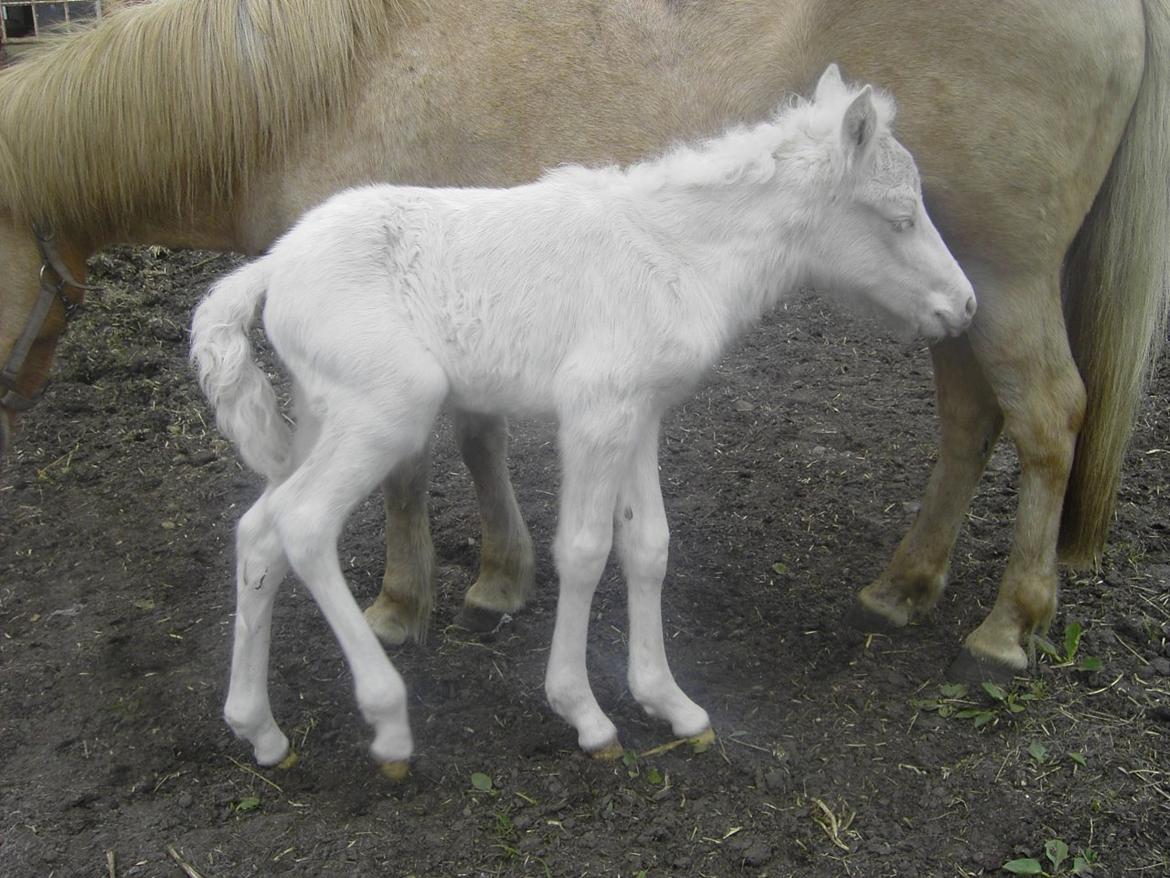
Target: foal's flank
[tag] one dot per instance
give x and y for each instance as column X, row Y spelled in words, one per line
column 599, row 296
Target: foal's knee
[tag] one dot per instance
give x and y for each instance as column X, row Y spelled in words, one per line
column 584, row 550
column 644, row 547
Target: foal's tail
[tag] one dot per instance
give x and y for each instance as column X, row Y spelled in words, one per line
column 243, row 399
column 1117, row 293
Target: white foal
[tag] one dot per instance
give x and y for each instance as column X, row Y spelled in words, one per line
column 600, row 296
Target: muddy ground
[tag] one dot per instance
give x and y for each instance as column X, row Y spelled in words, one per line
column 789, row 480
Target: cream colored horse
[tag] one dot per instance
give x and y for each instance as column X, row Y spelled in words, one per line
column 1040, row 127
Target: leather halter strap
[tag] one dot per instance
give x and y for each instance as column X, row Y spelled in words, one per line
column 56, row 280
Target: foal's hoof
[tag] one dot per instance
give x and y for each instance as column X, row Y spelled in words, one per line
column 608, row 752
column 395, row 771
column 479, row 620
column 971, row 668
column 861, row 618
column 288, row 761
column 702, row 742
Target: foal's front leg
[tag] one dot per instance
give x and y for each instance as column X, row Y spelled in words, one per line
column 594, row 453
column 643, row 539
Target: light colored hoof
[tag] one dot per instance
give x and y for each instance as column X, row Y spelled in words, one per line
column 702, row 742
column 385, row 625
column 608, row 752
column 396, row 771
column 288, row 761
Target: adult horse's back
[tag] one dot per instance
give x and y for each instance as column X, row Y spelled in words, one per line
column 1040, row 129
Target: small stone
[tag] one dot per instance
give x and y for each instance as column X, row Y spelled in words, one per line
column 775, row 779
column 1161, row 666
column 185, row 799
column 758, row 854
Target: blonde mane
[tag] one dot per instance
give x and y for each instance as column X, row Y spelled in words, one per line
column 204, row 96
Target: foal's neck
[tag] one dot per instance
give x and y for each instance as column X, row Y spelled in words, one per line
column 740, row 248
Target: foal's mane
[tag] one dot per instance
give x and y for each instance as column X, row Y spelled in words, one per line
column 175, row 106
column 747, row 153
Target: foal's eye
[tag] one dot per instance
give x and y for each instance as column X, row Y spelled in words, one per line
column 902, row 224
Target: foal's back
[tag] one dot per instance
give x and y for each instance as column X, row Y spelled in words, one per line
column 511, row 292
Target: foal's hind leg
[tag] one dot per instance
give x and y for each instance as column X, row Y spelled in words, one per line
column 970, row 421
column 350, row 458
column 643, row 540
column 260, row 568
column 507, row 562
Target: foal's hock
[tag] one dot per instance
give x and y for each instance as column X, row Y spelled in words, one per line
column 600, row 296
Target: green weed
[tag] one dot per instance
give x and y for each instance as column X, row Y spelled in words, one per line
column 1066, row 655
column 1056, row 858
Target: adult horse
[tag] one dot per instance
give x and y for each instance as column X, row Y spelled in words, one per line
column 1040, row 127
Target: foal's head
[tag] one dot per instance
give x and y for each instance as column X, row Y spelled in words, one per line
column 871, row 236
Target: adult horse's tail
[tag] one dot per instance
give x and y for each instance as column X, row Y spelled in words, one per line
column 243, row 399
column 1117, row 294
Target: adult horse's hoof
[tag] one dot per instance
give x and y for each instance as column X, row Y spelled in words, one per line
column 385, row 621
column 971, row 668
column 395, row 771
column 288, row 761
column 478, row 620
column 861, row 618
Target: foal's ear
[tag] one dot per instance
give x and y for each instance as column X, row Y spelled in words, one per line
column 859, row 125
column 830, row 83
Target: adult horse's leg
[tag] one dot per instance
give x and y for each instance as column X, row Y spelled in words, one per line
column 403, row 607
column 970, row 420
column 643, row 540
column 507, row 560
column 507, row 563
column 1023, row 349
column 1014, row 369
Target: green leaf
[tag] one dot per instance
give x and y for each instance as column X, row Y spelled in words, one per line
column 996, row 692
column 1089, row 663
column 953, row 690
column 984, row 718
column 246, row 804
column 1057, row 852
column 481, row 782
column 781, row 568
column 654, row 776
column 1037, row 751
column 1079, row 759
column 1072, row 639
column 1048, row 647
column 1026, row 866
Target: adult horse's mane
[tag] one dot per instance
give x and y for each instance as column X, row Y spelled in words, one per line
column 203, row 94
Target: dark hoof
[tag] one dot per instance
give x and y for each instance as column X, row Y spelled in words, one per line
column 479, row 620
column 970, row 668
column 861, row 618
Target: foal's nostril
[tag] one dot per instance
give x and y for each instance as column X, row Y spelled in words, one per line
column 970, row 307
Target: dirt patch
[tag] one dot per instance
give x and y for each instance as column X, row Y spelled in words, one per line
column 788, row 481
